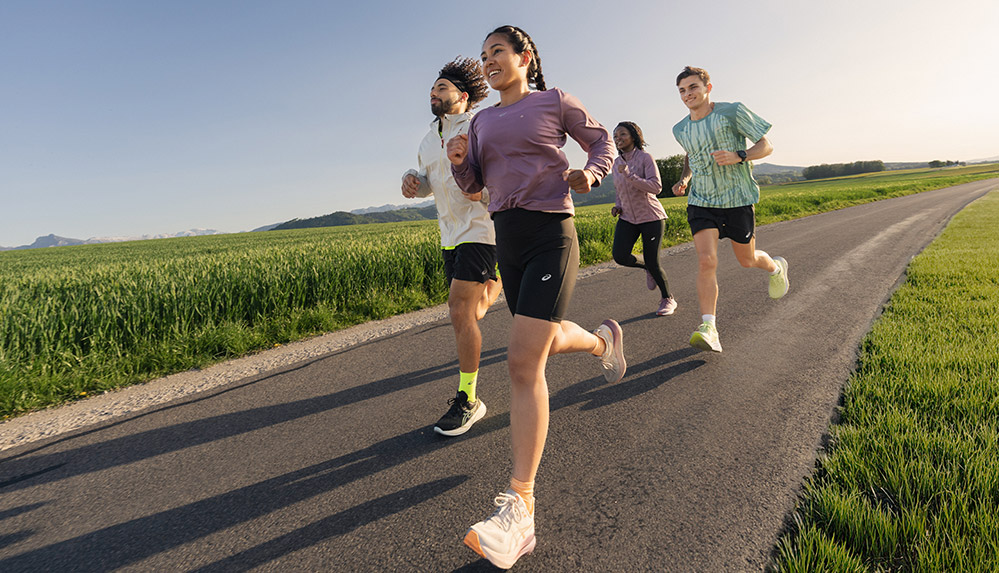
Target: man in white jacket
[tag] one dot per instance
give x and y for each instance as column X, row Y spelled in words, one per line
column 468, row 241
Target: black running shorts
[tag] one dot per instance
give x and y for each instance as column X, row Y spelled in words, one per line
column 538, row 259
column 474, row 262
column 736, row 223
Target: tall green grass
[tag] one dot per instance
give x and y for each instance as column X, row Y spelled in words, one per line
column 911, row 480
column 75, row 321
column 80, row 320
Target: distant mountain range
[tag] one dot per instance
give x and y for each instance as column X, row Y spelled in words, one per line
column 57, row 241
column 387, row 207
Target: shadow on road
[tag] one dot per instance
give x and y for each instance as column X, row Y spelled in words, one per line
column 20, row 469
column 132, row 541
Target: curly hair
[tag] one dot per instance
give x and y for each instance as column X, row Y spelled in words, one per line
column 521, row 43
column 636, row 133
column 690, row 71
column 466, row 75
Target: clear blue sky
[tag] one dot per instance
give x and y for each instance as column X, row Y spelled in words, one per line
column 146, row 117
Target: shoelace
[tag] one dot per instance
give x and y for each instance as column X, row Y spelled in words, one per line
column 453, row 401
column 507, row 510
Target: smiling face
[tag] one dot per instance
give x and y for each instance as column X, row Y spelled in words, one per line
column 623, row 140
column 694, row 94
column 503, row 67
column 446, row 99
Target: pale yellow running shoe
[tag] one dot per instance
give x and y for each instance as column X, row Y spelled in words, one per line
column 778, row 282
column 706, row 338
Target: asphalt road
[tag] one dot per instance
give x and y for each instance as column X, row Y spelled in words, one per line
column 691, row 463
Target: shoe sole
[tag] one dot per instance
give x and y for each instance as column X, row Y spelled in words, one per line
column 503, row 562
column 617, row 335
column 698, row 341
column 478, row 415
column 787, row 283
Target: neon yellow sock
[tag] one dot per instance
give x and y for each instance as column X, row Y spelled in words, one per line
column 467, row 384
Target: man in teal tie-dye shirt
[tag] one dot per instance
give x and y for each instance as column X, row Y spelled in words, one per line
column 722, row 191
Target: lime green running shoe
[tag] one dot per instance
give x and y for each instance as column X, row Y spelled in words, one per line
column 778, row 282
column 706, row 338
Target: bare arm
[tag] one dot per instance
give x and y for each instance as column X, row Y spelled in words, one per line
column 680, row 187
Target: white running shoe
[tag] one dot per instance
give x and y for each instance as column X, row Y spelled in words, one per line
column 507, row 535
column 612, row 361
column 779, row 282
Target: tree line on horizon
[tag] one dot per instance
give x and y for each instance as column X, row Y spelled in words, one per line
column 827, row 170
column 936, row 163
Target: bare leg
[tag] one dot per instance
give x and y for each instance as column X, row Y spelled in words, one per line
column 750, row 258
column 489, row 296
column 463, row 303
column 706, row 245
column 532, row 340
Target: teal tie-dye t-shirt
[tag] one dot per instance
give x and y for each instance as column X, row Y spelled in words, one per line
column 726, row 128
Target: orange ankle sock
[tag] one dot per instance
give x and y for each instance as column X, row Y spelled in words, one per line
column 524, row 489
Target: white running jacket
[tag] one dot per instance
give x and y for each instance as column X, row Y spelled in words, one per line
column 460, row 220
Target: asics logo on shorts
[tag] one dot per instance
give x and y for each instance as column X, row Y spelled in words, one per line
column 749, row 234
column 546, row 277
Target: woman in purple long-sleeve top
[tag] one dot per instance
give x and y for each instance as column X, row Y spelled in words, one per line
column 637, row 183
column 514, row 149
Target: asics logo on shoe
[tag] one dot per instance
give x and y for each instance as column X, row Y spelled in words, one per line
column 546, row 277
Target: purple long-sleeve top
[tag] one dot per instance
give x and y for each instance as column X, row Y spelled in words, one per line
column 516, row 152
column 637, row 187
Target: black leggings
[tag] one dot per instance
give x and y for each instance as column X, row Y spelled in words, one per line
column 625, row 235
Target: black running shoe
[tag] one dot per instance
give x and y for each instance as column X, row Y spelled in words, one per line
column 460, row 416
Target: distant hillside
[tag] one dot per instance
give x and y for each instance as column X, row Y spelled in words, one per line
column 340, row 218
column 771, row 169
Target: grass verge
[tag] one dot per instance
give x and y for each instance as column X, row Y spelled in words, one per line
column 910, row 481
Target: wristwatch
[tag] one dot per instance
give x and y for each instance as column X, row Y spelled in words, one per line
column 742, row 156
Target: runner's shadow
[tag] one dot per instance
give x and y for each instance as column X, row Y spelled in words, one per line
column 640, row 318
column 23, row 469
column 334, row 526
column 595, row 392
column 127, row 543
column 130, row 542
